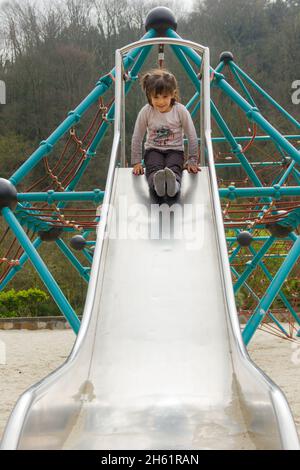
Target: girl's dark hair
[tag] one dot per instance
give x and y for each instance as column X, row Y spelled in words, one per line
column 159, row 81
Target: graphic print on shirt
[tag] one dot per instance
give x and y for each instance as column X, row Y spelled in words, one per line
column 162, row 136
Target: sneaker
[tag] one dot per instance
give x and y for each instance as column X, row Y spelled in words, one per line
column 159, row 181
column 173, row 185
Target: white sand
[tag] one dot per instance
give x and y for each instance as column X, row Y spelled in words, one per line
column 31, row 355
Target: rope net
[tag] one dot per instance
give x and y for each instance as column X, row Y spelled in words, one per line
column 56, row 172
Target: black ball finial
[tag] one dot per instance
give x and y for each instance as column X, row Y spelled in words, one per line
column 51, row 235
column 244, row 238
column 226, row 57
column 78, row 242
column 160, row 19
column 8, row 194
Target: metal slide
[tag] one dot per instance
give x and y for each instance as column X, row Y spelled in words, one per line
column 159, row 362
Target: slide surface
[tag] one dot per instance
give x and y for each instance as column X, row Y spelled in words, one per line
column 158, row 363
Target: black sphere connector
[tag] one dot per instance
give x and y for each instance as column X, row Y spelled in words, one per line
column 8, row 194
column 78, row 242
column 160, row 19
column 279, row 231
column 244, row 238
column 51, row 235
column 226, row 57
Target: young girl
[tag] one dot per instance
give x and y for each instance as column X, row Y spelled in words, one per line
column 166, row 121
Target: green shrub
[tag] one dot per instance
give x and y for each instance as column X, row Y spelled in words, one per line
column 23, row 303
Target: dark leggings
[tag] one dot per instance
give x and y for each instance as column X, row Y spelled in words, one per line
column 155, row 160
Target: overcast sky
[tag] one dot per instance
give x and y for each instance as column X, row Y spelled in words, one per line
column 187, row 3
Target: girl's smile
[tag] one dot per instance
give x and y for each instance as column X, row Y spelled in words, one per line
column 162, row 103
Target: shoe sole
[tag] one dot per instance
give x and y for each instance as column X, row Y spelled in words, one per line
column 171, row 182
column 159, row 181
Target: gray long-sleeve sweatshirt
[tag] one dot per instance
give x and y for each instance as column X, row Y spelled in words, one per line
column 164, row 131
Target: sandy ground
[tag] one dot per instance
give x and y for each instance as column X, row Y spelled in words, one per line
column 31, row 355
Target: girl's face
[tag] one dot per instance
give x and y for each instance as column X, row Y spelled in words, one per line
column 162, row 103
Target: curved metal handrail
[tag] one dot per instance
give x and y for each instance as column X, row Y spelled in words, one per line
column 163, row 40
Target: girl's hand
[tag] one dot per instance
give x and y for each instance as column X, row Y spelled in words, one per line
column 193, row 168
column 138, row 169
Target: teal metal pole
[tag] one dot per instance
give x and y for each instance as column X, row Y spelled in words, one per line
column 255, row 239
column 245, row 284
column 272, row 292
column 187, row 66
column 236, row 148
column 87, row 255
column 293, row 236
column 253, row 264
column 15, row 269
column 258, row 299
column 242, row 85
column 234, row 253
column 261, row 138
column 265, row 94
column 83, row 271
column 86, row 233
column 42, row 269
column 50, row 196
column 272, row 256
column 276, row 192
column 219, row 67
column 281, row 294
column 192, row 100
column 195, row 111
column 296, row 175
column 284, row 156
column 253, row 114
column 238, row 164
column 286, row 173
column 186, row 50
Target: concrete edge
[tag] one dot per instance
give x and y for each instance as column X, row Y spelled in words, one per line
column 34, row 323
